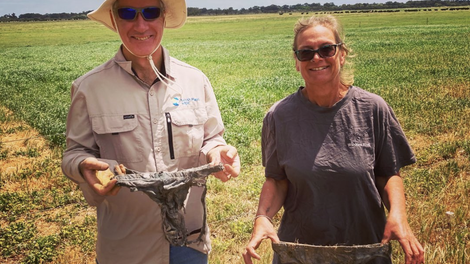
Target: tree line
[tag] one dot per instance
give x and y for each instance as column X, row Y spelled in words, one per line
column 443, row 5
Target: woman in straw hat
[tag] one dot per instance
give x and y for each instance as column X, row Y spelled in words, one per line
column 149, row 112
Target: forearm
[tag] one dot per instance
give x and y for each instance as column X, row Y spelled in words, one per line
column 397, row 227
column 393, row 195
column 272, row 197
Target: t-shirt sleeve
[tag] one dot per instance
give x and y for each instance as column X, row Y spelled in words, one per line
column 269, row 149
column 392, row 149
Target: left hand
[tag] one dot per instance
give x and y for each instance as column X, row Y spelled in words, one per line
column 396, row 229
column 227, row 155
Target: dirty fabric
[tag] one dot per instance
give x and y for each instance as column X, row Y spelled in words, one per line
column 293, row 253
column 170, row 190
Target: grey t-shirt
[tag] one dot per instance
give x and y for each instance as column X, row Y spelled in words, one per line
column 331, row 157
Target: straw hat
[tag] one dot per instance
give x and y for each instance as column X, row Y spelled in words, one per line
column 175, row 13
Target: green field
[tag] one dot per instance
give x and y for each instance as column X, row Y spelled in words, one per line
column 419, row 62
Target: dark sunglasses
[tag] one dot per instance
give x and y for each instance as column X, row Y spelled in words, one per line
column 148, row 13
column 324, row 52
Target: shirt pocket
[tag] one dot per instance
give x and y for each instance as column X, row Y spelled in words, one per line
column 187, row 128
column 118, row 138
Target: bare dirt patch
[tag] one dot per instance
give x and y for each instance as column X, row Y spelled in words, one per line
column 22, row 151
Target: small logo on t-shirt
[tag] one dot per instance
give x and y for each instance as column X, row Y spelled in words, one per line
column 358, row 144
column 359, row 139
column 128, row 117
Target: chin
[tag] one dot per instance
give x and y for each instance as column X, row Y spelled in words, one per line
column 140, row 52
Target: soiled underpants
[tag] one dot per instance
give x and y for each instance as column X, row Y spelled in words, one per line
column 294, row 253
column 170, row 190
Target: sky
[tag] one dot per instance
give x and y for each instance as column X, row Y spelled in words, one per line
column 77, row 6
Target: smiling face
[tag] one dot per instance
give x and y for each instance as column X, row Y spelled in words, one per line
column 139, row 36
column 319, row 71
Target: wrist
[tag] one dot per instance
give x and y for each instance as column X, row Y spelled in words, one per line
column 263, row 216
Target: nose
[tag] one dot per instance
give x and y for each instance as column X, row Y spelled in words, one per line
column 316, row 53
column 140, row 22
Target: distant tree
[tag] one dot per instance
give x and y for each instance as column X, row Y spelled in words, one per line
column 255, row 9
column 271, row 9
column 329, row 6
column 193, row 11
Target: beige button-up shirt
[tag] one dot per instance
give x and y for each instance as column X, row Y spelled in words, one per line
column 117, row 117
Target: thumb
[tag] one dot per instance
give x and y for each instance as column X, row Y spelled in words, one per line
column 274, row 238
column 231, row 152
column 93, row 164
column 385, row 239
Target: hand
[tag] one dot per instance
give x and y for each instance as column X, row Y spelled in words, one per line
column 397, row 229
column 98, row 176
column 262, row 229
column 227, row 155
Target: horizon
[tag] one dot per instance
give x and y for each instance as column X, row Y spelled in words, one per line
column 56, row 6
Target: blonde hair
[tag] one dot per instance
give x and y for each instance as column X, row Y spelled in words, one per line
column 330, row 22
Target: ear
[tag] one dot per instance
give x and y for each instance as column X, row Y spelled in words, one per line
column 297, row 65
column 342, row 58
column 164, row 17
column 111, row 16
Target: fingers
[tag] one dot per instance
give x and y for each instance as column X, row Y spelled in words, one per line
column 92, row 164
column 230, row 151
column 120, row 169
column 99, row 177
column 421, row 253
column 228, row 173
column 231, row 160
column 417, row 252
column 250, row 253
column 414, row 252
column 263, row 229
column 251, row 250
column 231, row 171
column 223, row 176
column 227, row 155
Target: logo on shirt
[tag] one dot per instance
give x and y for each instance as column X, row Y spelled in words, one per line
column 358, row 144
column 359, row 139
column 177, row 101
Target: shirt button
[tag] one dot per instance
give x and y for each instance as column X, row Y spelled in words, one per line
column 151, row 93
column 155, row 121
column 158, row 149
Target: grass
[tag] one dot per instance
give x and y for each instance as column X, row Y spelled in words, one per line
column 417, row 61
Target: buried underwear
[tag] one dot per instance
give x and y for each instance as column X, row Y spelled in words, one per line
column 169, row 190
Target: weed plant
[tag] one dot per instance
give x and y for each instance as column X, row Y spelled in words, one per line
column 418, row 62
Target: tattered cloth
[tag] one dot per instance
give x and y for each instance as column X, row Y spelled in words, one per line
column 294, row 253
column 169, row 190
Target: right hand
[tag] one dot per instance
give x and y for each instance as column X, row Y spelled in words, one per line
column 228, row 155
column 263, row 229
column 97, row 174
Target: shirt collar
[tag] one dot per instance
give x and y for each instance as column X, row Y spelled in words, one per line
column 127, row 65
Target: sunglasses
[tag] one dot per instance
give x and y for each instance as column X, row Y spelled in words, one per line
column 148, row 13
column 324, row 52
